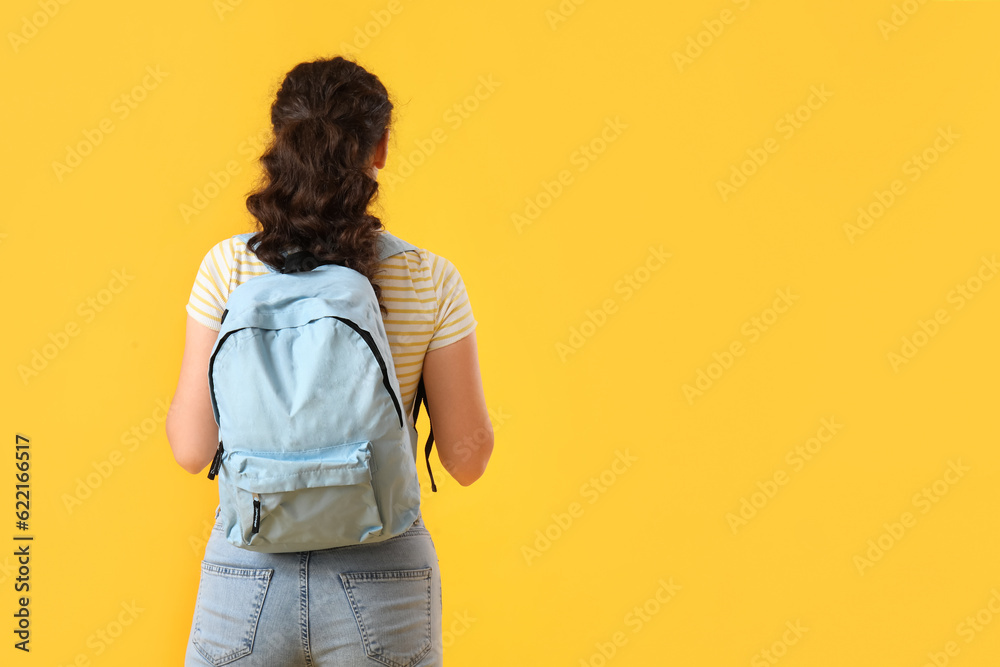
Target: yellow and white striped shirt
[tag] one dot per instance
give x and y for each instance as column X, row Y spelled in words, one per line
column 424, row 294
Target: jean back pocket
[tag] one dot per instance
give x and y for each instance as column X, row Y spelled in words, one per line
column 229, row 603
column 393, row 612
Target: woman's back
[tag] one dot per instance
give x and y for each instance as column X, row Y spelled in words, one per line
column 424, row 294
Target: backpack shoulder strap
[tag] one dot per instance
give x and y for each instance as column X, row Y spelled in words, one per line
column 393, row 245
column 422, row 396
column 390, row 245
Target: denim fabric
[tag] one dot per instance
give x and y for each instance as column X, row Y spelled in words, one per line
column 368, row 604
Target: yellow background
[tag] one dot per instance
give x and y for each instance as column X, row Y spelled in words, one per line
column 560, row 418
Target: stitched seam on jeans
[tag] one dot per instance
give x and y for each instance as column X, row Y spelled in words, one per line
column 304, row 606
column 238, row 572
column 391, row 575
column 427, row 627
column 355, row 608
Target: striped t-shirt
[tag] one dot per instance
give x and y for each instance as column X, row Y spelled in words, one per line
column 424, row 294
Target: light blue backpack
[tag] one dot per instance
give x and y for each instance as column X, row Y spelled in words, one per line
column 314, row 449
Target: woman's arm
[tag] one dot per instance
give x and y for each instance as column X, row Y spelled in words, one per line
column 457, row 408
column 191, row 428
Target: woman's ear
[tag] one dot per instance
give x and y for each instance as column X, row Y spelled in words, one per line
column 382, row 150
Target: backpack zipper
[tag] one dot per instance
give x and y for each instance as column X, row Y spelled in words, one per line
column 256, row 515
column 367, row 337
column 216, row 462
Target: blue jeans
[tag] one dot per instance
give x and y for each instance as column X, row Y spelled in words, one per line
column 369, row 604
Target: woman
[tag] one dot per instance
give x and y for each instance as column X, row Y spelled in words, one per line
column 351, row 605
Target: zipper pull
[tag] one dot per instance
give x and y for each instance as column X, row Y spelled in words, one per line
column 216, row 462
column 256, row 514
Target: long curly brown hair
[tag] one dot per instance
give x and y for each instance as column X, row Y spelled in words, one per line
column 328, row 118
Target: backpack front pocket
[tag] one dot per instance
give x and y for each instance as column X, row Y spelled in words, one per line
column 303, row 500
